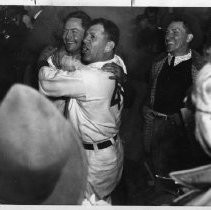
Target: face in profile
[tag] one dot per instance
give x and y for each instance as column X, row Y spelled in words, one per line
column 73, row 34
column 94, row 45
column 177, row 39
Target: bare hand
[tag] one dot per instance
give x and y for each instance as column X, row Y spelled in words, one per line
column 117, row 70
column 57, row 57
column 67, row 64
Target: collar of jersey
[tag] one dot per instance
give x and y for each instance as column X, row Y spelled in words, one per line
column 101, row 63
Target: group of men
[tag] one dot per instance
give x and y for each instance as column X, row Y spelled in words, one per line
column 83, row 78
column 93, row 101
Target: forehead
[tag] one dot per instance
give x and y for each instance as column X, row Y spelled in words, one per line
column 176, row 25
column 73, row 23
column 97, row 29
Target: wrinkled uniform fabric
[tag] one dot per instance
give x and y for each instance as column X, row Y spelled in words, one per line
column 60, row 103
column 94, row 118
column 105, row 170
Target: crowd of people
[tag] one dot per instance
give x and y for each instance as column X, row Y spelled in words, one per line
column 73, row 92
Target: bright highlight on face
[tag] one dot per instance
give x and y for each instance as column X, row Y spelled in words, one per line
column 95, row 42
column 73, row 34
column 177, row 39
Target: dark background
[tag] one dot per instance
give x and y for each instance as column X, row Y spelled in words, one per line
column 138, row 48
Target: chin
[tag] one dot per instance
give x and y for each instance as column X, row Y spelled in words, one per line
column 70, row 50
column 169, row 50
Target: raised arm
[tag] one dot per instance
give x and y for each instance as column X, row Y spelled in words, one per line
column 57, row 83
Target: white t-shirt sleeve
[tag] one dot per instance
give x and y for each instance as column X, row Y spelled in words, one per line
column 54, row 82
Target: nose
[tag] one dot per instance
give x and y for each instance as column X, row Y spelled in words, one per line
column 168, row 36
column 86, row 39
column 68, row 34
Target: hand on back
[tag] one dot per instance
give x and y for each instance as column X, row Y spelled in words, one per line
column 117, row 71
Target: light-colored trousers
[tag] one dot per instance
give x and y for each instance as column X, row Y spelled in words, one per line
column 104, row 170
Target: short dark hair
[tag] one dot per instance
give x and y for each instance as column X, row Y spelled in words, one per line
column 85, row 19
column 191, row 24
column 186, row 20
column 110, row 28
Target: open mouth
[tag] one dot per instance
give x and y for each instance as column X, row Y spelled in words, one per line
column 69, row 43
column 85, row 49
column 170, row 43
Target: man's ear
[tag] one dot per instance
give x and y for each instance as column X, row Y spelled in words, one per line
column 109, row 46
column 189, row 38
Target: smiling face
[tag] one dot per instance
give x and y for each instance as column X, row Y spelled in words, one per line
column 95, row 42
column 177, row 39
column 73, row 34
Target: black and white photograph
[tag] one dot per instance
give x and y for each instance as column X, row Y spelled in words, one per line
column 105, row 104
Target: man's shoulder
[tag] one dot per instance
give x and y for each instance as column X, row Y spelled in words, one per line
column 160, row 57
column 94, row 76
column 158, row 61
column 118, row 60
column 91, row 71
column 198, row 61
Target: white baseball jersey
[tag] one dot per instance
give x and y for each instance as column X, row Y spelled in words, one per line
column 68, row 63
column 96, row 101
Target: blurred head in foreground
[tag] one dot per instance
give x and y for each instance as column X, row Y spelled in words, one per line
column 41, row 159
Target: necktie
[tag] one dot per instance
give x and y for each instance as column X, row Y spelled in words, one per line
column 169, row 69
column 172, row 62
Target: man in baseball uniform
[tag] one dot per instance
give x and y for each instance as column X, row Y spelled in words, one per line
column 95, row 105
column 68, row 56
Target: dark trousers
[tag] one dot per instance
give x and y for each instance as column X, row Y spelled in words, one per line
column 166, row 145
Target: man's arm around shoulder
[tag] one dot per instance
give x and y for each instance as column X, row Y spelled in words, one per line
column 57, row 83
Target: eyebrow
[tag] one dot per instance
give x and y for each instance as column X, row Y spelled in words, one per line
column 173, row 29
column 70, row 28
column 91, row 32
